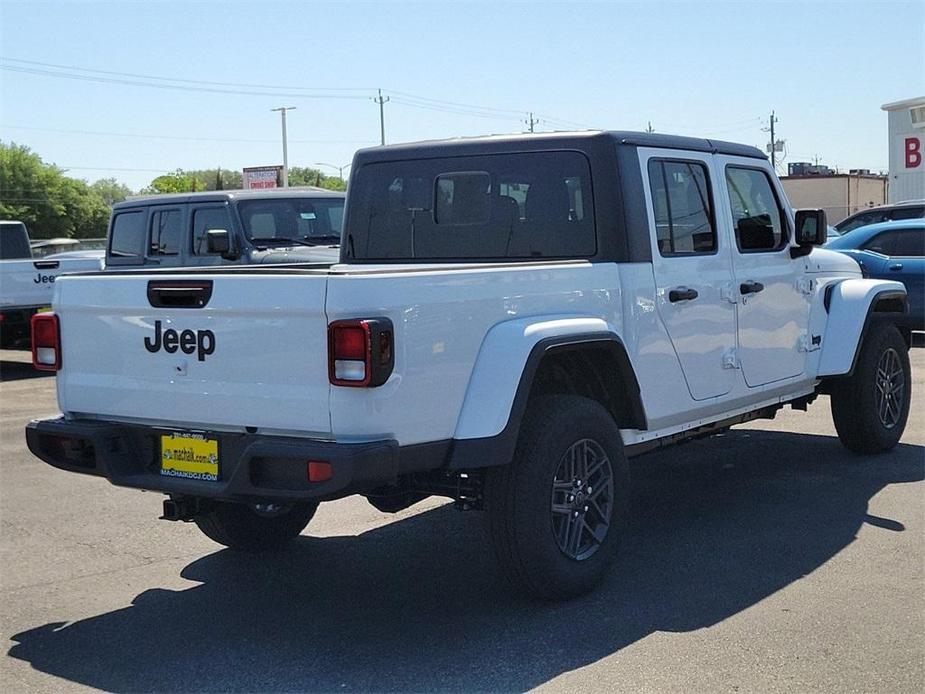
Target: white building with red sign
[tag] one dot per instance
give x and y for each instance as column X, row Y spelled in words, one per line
column 907, row 149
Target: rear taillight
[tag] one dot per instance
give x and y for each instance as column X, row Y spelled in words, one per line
column 360, row 352
column 46, row 342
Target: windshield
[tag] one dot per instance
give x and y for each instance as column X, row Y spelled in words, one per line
column 298, row 220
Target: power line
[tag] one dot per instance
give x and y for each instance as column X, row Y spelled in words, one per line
column 181, row 79
column 149, row 136
column 244, row 88
column 178, row 87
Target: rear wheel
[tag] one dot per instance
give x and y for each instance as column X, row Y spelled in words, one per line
column 242, row 527
column 870, row 407
column 556, row 513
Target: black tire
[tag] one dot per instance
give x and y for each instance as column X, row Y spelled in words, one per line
column 240, row 527
column 870, row 407
column 524, row 511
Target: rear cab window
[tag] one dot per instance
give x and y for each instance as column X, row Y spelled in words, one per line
column 14, row 241
column 526, row 205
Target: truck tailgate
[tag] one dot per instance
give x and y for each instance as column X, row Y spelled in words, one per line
column 31, row 283
column 255, row 355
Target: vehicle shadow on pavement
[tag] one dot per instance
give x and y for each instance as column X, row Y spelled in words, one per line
column 718, row 525
column 17, row 371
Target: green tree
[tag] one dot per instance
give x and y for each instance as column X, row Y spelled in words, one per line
column 48, row 202
column 218, row 179
column 305, row 176
column 110, row 190
column 177, row 182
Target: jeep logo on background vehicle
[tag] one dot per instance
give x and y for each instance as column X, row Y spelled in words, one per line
column 188, row 341
column 44, row 279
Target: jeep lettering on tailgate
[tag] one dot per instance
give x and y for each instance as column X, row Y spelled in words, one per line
column 201, row 341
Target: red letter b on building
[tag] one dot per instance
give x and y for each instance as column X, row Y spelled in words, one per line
column 913, row 152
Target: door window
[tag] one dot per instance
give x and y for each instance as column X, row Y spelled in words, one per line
column 756, row 212
column 166, row 227
column 907, row 213
column 904, row 243
column 860, row 220
column 127, row 238
column 206, row 219
column 682, row 207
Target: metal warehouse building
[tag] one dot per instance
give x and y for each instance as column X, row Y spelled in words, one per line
column 907, row 149
column 839, row 195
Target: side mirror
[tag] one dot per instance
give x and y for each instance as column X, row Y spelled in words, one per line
column 219, row 241
column 811, row 228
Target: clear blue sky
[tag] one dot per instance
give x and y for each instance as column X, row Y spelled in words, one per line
column 710, row 69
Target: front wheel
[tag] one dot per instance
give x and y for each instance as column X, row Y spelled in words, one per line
column 870, row 407
column 556, row 513
column 243, row 528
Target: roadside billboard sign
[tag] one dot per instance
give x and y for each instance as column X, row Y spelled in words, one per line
column 259, row 177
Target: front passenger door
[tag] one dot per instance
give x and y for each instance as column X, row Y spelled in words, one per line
column 770, row 287
column 204, row 218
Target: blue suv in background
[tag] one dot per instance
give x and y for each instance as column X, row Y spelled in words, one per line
column 892, row 251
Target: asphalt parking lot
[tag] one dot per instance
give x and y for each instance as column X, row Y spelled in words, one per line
column 767, row 559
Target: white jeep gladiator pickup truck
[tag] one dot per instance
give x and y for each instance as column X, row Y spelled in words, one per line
column 511, row 319
column 26, row 283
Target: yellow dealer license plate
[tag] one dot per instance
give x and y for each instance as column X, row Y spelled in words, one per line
column 193, row 456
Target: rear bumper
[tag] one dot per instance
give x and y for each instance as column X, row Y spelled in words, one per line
column 251, row 467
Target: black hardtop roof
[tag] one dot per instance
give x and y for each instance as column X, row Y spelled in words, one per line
column 496, row 144
column 228, row 195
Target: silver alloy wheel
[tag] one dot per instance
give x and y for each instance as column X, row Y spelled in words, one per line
column 889, row 388
column 582, row 499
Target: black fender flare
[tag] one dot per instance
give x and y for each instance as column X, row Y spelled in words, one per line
column 496, row 450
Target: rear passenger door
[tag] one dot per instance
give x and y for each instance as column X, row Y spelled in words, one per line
column 771, row 289
column 692, row 267
column 165, row 235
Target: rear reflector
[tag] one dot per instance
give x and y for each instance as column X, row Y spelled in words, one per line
column 319, row 471
column 360, row 352
column 46, row 338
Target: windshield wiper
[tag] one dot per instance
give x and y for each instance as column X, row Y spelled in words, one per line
column 327, row 238
column 315, row 241
column 281, row 241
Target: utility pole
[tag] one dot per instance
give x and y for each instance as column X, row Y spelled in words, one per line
column 381, row 100
column 531, row 121
column 282, row 112
column 775, row 145
column 340, row 169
